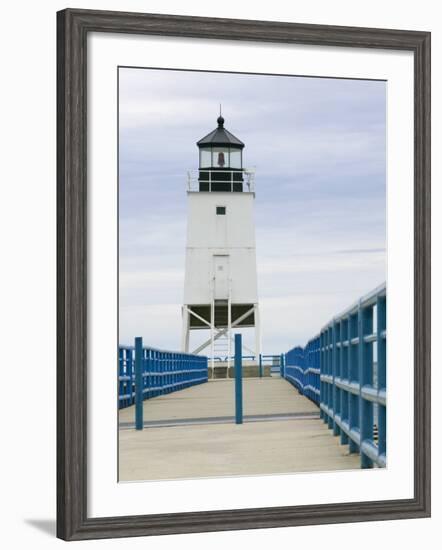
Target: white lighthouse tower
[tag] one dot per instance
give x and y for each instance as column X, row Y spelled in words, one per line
column 220, row 288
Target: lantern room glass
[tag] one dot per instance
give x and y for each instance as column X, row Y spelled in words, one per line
column 220, row 157
column 235, row 158
column 206, row 157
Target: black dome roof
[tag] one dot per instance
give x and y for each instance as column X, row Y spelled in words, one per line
column 220, row 136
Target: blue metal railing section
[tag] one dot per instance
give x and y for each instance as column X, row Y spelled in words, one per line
column 350, row 353
column 302, row 369
column 274, row 361
column 162, row 372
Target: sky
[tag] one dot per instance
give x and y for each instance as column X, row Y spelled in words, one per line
column 318, row 146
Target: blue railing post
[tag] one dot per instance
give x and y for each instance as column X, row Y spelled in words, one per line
column 337, row 376
column 345, row 377
column 365, row 380
column 121, row 374
column 260, row 365
column 334, row 374
column 131, row 374
column 353, row 417
column 321, row 371
column 381, row 373
column 281, row 365
column 139, row 383
column 149, row 368
column 238, row 379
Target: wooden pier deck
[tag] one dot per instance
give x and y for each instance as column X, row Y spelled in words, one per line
column 191, row 434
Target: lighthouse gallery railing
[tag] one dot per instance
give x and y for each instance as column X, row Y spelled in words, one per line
column 343, row 370
column 224, row 177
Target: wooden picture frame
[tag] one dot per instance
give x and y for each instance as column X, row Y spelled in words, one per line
column 73, row 27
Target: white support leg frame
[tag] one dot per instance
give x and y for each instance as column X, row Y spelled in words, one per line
column 216, row 333
column 185, row 333
column 219, row 332
column 258, row 342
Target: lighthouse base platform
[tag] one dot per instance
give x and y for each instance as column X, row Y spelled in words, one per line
column 250, row 369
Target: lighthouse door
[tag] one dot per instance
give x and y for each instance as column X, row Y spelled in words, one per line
column 221, row 277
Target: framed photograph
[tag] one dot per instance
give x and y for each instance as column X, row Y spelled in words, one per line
column 243, row 274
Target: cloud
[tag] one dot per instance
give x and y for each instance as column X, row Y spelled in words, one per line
column 318, row 146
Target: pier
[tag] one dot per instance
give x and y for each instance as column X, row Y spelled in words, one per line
column 321, row 407
column 191, row 433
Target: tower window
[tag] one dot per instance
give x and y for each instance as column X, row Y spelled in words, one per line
column 220, row 210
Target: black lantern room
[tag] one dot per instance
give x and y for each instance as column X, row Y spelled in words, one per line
column 220, row 166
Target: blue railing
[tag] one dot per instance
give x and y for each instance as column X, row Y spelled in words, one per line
column 350, row 353
column 273, row 361
column 162, row 372
column 302, row 369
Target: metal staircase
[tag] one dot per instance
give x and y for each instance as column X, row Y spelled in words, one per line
column 221, row 347
column 221, row 318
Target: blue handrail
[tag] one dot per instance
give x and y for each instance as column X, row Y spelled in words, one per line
column 302, row 369
column 162, row 372
column 343, row 370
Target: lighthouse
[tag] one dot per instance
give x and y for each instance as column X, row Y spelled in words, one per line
column 220, row 285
